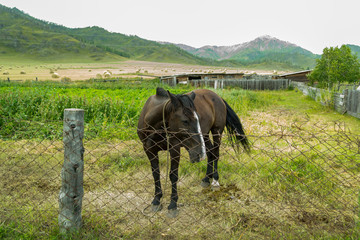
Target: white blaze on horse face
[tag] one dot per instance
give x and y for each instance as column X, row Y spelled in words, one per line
column 203, row 150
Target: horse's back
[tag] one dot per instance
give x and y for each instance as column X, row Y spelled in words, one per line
column 209, row 106
column 211, row 110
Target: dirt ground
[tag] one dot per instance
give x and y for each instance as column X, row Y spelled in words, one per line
column 125, row 69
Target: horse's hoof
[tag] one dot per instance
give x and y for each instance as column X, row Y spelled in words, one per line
column 215, row 188
column 172, row 213
column 156, row 208
column 205, row 184
column 215, row 185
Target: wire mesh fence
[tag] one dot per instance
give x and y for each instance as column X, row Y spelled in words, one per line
column 297, row 182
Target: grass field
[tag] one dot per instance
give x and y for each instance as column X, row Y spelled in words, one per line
column 301, row 180
column 82, row 69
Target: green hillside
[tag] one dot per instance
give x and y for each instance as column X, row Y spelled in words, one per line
column 206, row 53
column 22, row 36
column 355, row 49
column 292, row 57
column 134, row 47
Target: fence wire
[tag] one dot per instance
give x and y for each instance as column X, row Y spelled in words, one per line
column 296, row 183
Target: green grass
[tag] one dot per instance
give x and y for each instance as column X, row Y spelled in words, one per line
column 104, row 103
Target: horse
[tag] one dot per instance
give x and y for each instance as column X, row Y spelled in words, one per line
column 169, row 121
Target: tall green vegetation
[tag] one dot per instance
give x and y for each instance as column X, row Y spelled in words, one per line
column 35, row 109
column 336, row 65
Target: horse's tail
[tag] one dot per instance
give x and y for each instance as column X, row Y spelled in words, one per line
column 235, row 128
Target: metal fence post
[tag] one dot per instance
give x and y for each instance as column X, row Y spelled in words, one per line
column 71, row 192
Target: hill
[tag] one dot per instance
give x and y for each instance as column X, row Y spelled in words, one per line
column 23, row 36
column 355, row 49
column 134, row 47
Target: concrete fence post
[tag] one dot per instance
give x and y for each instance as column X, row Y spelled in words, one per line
column 71, row 192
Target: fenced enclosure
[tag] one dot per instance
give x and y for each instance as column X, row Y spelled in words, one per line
column 346, row 101
column 247, row 84
column 257, row 82
column 300, row 181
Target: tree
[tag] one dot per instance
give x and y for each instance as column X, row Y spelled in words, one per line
column 336, row 65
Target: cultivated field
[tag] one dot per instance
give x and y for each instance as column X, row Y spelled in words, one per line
column 301, row 180
column 125, row 69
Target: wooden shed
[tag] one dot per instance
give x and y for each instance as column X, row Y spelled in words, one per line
column 296, row 76
column 187, row 78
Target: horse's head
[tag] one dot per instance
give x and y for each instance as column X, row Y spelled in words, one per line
column 184, row 125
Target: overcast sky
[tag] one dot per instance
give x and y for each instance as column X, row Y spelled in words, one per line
column 311, row 24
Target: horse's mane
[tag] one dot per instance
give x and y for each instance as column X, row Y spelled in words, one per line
column 187, row 103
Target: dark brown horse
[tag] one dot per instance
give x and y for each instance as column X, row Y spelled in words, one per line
column 169, row 122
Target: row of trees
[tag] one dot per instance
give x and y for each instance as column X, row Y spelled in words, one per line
column 336, row 65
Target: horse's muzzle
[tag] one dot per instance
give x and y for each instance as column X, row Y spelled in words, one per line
column 197, row 152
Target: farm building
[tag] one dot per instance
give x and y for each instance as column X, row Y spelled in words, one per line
column 296, row 76
column 187, row 78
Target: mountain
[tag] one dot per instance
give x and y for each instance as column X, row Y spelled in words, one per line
column 24, row 36
column 261, row 50
column 354, row 49
column 134, row 47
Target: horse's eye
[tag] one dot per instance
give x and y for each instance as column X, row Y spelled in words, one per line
column 185, row 122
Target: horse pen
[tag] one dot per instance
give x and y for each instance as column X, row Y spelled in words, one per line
column 300, row 181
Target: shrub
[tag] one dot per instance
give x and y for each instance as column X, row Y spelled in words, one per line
column 65, row 79
column 336, row 65
column 55, row 75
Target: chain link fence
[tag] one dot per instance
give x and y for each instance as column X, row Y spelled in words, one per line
column 298, row 182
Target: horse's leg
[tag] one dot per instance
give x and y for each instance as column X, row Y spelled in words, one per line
column 154, row 161
column 210, row 162
column 216, row 152
column 175, row 159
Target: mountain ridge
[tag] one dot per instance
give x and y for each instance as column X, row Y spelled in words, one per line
column 261, row 49
column 25, row 36
column 231, row 49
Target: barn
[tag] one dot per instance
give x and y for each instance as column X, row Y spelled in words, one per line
column 187, row 78
column 296, row 76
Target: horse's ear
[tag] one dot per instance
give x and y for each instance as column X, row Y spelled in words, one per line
column 174, row 101
column 192, row 96
column 161, row 92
